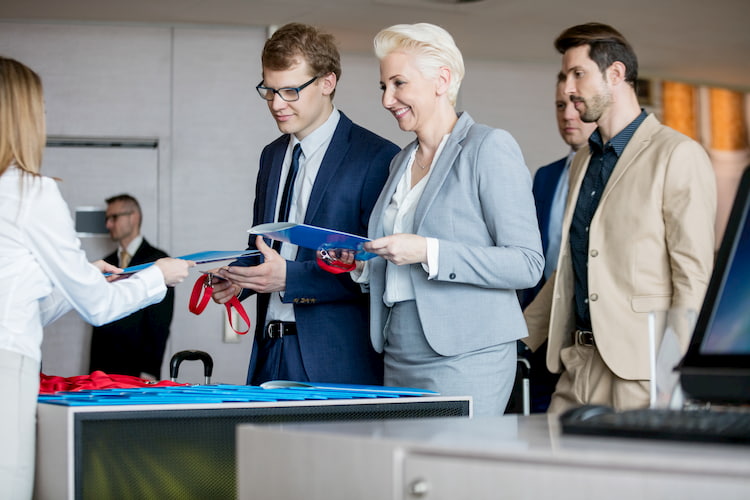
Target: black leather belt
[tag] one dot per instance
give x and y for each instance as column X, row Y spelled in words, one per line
column 584, row 338
column 278, row 329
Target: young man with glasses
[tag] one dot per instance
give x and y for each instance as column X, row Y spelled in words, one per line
column 326, row 171
column 135, row 344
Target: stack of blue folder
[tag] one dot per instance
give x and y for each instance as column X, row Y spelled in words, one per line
column 207, row 394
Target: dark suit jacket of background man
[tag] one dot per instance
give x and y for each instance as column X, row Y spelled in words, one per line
column 135, row 343
column 332, row 312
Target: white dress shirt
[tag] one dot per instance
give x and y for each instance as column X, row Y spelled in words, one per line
column 314, row 148
column 44, row 272
column 131, row 249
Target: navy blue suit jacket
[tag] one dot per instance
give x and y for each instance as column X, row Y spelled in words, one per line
column 331, row 311
column 545, row 183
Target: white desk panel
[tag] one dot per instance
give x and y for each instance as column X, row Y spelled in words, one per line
column 511, row 457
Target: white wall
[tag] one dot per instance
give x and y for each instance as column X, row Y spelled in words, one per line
column 192, row 89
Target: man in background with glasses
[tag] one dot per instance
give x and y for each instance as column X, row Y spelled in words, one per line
column 325, row 171
column 133, row 345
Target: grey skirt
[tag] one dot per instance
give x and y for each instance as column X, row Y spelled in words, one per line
column 487, row 375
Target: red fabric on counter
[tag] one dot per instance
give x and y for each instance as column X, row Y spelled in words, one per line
column 50, row 384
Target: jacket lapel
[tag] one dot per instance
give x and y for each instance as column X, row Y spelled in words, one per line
column 332, row 161
column 638, row 142
column 274, row 184
column 398, row 168
column 442, row 167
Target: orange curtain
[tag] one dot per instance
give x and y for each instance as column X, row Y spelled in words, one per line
column 679, row 108
column 728, row 125
column 729, row 149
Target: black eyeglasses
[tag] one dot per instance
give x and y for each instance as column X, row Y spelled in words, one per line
column 289, row 94
column 115, row 216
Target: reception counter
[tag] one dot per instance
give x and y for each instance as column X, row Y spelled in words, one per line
column 510, row 457
column 180, row 442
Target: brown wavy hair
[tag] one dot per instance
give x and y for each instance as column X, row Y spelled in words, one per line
column 296, row 40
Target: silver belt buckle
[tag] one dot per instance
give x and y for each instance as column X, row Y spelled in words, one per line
column 585, row 338
column 275, row 330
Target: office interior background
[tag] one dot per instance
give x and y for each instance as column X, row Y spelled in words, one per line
column 156, row 98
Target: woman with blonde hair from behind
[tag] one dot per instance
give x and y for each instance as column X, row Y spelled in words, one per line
column 44, row 272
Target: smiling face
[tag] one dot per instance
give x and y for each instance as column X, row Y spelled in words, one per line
column 573, row 130
column 407, row 94
column 311, row 110
column 585, row 84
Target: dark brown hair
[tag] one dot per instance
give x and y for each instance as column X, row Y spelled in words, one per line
column 606, row 45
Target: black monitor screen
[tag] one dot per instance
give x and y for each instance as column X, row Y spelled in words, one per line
column 717, row 365
column 729, row 332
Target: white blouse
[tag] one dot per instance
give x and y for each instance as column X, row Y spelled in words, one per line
column 44, row 272
column 399, row 218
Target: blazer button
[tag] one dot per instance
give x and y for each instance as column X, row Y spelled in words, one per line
column 452, row 276
column 594, row 253
column 594, row 297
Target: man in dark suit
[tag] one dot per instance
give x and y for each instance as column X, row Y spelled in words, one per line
column 133, row 345
column 550, row 192
column 312, row 325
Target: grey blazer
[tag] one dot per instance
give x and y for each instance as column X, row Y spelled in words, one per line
column 478, row 204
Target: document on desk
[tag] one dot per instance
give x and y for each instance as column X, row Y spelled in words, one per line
column 313, row 237
column 198, row 258
column 362, row 390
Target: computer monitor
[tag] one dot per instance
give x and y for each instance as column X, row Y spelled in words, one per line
column 716, row 367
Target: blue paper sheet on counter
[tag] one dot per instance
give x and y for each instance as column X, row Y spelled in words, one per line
column 214, row 394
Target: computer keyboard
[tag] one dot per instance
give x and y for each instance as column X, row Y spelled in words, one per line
column 724, row 426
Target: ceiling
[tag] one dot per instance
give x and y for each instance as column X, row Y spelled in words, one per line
column 698, row 41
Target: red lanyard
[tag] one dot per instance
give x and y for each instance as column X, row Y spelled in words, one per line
column 201, row 294
column 329, row 263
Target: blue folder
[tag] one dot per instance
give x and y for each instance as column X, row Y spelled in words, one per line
column 199, row 258
column 313, row 237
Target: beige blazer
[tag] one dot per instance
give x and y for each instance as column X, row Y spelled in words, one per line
column 651, row 246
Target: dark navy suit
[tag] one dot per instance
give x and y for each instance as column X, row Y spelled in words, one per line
column 331, row 312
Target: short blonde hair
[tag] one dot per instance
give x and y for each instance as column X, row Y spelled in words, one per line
column 433, row 46
column 22, row 123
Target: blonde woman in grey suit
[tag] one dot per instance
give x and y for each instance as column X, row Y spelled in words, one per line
column 456, row 228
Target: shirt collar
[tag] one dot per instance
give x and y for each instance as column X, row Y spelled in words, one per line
column 134, row 245
column 319, row 136
column 619, row 141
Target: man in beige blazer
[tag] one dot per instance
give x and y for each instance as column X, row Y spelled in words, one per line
column 638, row 231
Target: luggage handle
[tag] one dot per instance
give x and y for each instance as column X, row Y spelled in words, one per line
column 208, row 363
